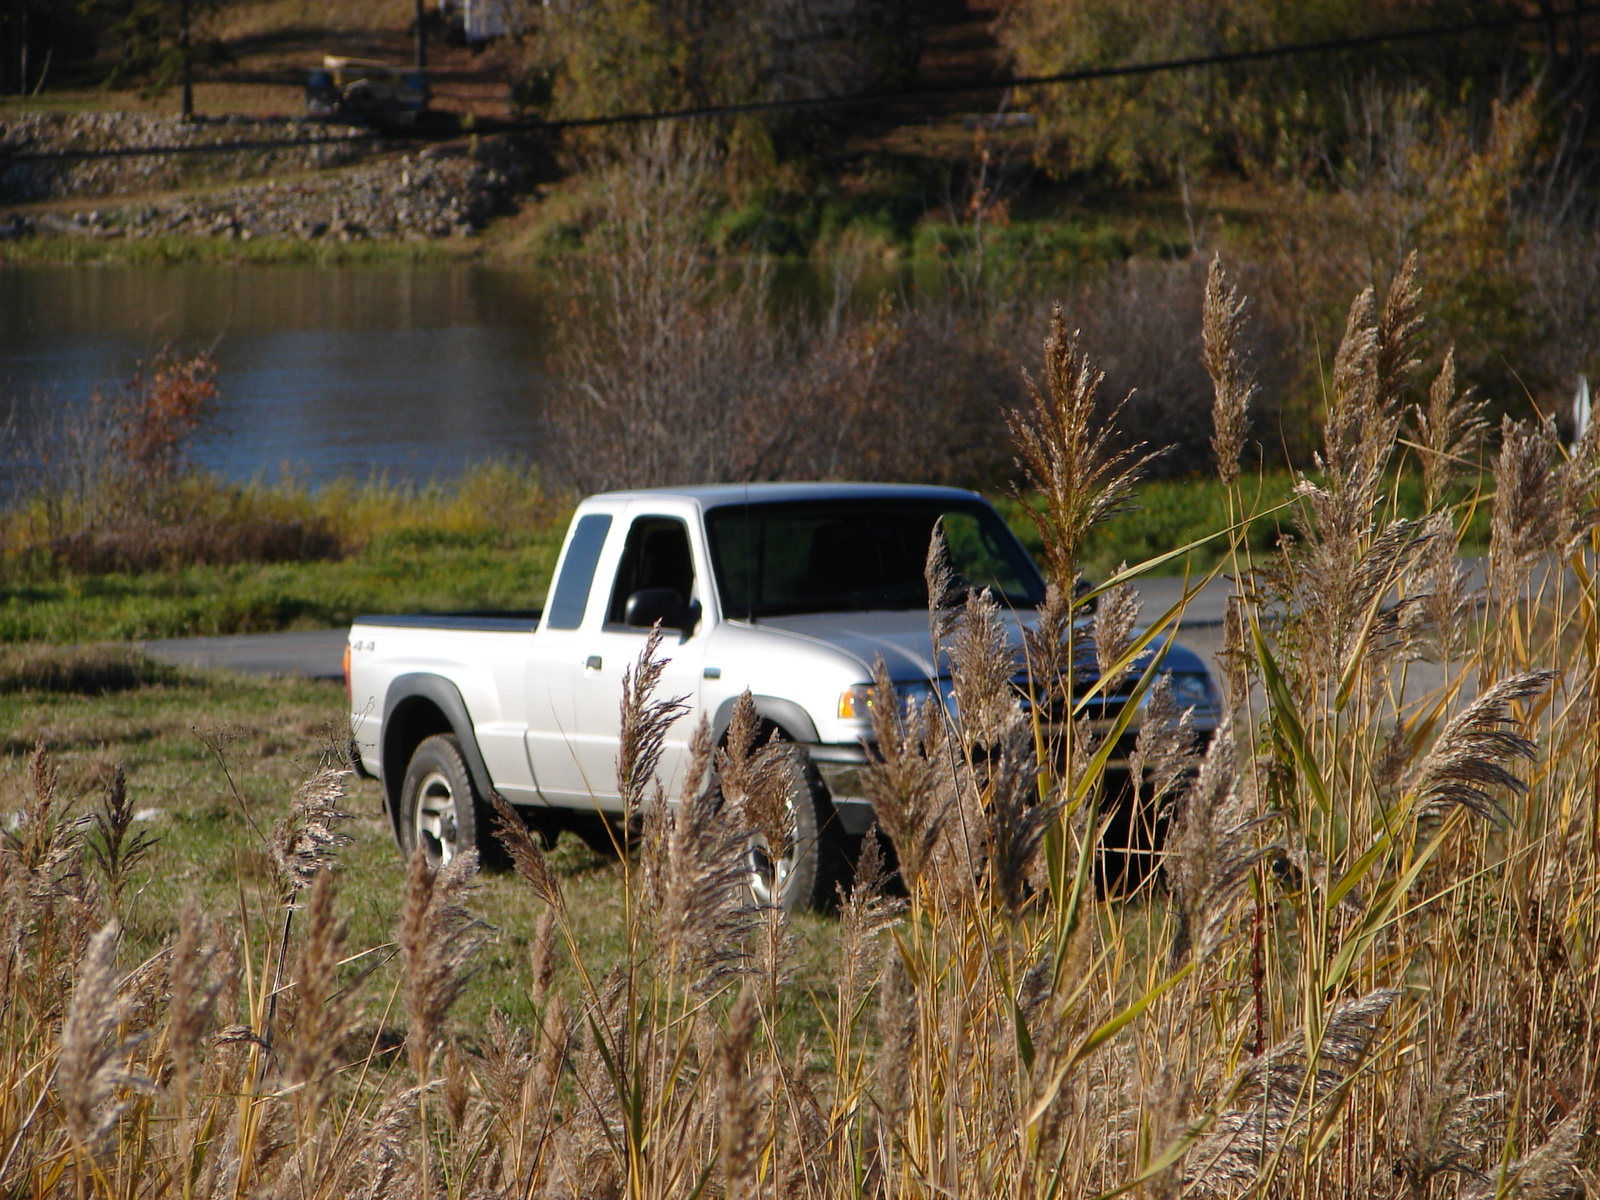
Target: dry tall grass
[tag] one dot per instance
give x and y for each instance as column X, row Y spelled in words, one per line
column 1369, row 970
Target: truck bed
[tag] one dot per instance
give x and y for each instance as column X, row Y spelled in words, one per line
column 491, row 619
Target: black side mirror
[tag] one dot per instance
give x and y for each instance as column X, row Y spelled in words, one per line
column 649, row 605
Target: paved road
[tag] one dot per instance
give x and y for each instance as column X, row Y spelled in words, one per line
column 319, row 654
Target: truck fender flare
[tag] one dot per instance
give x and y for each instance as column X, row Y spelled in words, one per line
column 785, row 714
column 446, row 697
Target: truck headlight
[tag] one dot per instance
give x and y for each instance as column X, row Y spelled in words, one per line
column 856, row 703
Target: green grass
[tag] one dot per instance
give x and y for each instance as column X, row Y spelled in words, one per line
column 1166, row 514
column 273, row 735
column 415, row 571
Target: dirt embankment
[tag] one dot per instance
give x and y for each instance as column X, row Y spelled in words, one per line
column 339, row 181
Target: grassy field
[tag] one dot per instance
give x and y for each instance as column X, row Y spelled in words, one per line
column 419, row 571
column 212, row 764
column 487, row 539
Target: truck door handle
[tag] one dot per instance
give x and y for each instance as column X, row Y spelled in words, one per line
column 592, row 663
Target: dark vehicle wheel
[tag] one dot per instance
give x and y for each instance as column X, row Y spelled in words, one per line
column 441, row 809
column 804, row 878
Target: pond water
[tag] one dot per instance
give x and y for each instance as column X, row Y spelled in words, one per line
column 409, row 371
column 328, row 371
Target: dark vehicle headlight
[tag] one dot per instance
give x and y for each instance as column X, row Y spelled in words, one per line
column 1191, row 689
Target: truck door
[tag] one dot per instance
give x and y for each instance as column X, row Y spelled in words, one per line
column 658, row 552
column 555, row 664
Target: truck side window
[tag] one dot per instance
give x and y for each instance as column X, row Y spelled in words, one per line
column 656, row 555
column 571, row 594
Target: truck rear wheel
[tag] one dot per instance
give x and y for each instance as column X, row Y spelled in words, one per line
column 804, row 878
column 440, row 808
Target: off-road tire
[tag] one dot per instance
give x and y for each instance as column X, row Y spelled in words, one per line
column 439, row 802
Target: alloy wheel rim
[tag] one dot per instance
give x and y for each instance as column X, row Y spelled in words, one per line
column 436, row 818
column 769, row 877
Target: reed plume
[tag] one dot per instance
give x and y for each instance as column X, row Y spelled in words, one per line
column 92, row 1080
column 1210, row 851
column 528, row 858
column 1280, row 1093
column 1164, row 749
column 309, row 838
column 742, row 1103
column 438, row 940
column 1115, row 616
column 1066, row 451
column 644, row 725
column 1468, row 762
column 907, row 783
column 759, row 777
column 697, row 856
column 1233, row 384
column 982, row 667
column 319, row 1022
column 1524, row 518
column 111, row 847
column 1447, row 431
column 191, row 1008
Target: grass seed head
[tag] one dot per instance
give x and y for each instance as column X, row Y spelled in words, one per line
column 93, row 1080
column 438, row 940
column 644, row 725
column 1525, row 516
column 1447, row 432
column 528, row 858
column 307, row 841
column 1468, row 761
column 1115, row 616
column 1233, row 384
column 759, row 776
column 1067, row 452
column 907, row 783
column 982, row 665
column 705, row 907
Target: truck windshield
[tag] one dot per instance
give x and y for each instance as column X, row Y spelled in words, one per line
column 790, row 557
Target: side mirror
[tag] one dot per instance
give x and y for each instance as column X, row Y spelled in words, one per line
column 649, row 605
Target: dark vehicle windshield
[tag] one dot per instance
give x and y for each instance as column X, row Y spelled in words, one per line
column 789, row 557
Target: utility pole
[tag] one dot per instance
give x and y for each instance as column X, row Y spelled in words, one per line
column 422, row 36
column 183, row 51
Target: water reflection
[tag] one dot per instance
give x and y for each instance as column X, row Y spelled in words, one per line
column 332, row 371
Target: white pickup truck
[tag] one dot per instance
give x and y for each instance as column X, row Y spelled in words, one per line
column 789, row 590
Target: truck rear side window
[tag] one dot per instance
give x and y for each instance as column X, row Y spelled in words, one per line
column 571, row 593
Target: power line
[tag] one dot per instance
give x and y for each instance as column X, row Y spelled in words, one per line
column 854, row 99
column 1079, row 74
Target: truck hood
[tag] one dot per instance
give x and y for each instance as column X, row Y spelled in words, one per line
column 904, row 642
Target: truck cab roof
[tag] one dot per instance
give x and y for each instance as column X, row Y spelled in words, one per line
column 720, row 494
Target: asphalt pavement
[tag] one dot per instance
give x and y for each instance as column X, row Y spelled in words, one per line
column 316, row 653
column 319, row 653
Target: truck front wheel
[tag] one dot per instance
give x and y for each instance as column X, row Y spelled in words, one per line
column 439, row 807
column 806, row 876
